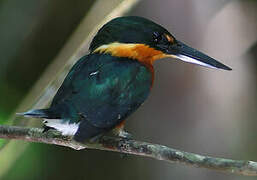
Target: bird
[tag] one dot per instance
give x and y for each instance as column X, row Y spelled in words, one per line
column 113, row 80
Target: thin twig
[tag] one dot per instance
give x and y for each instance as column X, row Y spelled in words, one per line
column 160, row 152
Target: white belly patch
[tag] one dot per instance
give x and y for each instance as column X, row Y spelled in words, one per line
column 66, row 128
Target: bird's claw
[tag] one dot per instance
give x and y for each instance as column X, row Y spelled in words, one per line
column 125, row 135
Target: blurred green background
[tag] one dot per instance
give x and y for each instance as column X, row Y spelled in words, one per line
column 191, row 108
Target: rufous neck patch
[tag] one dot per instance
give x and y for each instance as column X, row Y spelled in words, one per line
column 140, row 52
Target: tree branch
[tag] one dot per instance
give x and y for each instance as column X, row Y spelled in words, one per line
column 155, row 151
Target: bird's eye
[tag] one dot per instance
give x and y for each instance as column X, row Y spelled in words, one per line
column 163, row 38
column 157, row 37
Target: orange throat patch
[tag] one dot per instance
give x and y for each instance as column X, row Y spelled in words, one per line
column 140, row 52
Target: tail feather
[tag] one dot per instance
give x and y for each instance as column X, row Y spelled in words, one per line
column 39, row 113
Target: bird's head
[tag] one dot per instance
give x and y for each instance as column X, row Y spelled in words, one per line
column 143, row 40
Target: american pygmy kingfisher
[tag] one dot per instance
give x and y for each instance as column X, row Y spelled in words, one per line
column 104, row 87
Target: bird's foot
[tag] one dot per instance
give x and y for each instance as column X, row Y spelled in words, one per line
column 120, row 132
column 127, row 136
column 124, row 134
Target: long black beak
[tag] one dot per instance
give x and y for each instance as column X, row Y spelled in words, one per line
column 185, row 53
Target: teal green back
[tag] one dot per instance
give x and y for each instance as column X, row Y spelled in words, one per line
column 102, row 90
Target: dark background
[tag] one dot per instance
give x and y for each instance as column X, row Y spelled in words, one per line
column 195, row 109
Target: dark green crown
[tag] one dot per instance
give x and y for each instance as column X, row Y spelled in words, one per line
column 130, row 29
